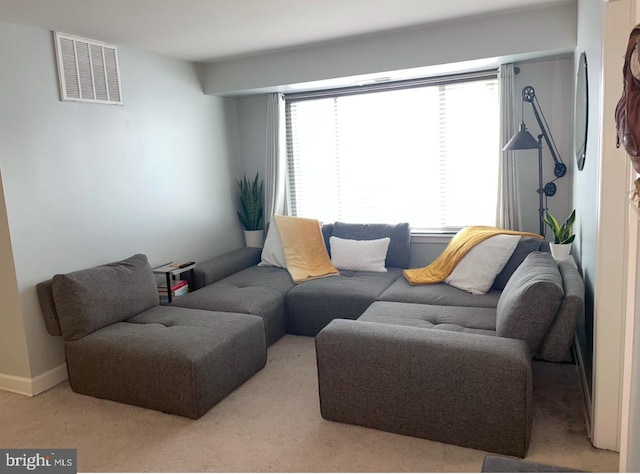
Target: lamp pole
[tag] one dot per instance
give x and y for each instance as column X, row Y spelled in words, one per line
column 540, row 188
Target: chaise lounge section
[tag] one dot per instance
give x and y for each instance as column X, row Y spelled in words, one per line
column 455, row 374
column 467, row 389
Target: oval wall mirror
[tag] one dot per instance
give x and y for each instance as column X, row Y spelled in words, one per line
column 581, row 118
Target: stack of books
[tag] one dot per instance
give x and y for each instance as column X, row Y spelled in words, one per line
column 178, row 288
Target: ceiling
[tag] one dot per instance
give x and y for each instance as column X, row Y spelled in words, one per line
column 210, row 30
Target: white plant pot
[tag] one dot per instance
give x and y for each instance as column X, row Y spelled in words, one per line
column 560, row 251
column 254, row 238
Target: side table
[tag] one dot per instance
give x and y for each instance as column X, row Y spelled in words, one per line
column 171, row 270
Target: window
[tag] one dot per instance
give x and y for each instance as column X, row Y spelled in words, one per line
column 424, row 152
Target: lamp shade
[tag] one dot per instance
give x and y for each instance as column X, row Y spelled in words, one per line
column 522, row 140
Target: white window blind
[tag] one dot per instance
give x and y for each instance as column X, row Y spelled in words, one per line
column 424, row 153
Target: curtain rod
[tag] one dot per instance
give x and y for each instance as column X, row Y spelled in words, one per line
column 394, row 85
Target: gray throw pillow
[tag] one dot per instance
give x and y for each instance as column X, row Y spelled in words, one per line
column 524, row 248
column 530, row 300
column 327, row 232
column 399, row 252
column 88, row 300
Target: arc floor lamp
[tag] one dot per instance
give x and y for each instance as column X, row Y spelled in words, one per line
column 523, row 140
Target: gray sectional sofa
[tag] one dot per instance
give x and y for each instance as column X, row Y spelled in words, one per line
column 235, row 282
column 431, row 361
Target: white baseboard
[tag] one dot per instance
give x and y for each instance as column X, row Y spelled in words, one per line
column 33, row 386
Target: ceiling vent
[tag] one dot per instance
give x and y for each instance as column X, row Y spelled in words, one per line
column 88, row 70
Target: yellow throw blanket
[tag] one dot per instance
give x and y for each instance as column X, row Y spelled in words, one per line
column 304, row 249
column 459, row 246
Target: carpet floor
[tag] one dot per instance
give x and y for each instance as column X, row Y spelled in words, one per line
column 273, row 423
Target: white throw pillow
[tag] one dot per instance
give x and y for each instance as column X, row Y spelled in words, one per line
column 478, row 269
column 272, row 253
column 359, row 255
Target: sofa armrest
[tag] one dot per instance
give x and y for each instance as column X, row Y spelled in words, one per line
column 217, row 268
column 48, row 307
column 556, row 346
column 460, row 388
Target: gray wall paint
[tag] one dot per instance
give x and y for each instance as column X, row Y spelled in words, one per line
column 527, row 34
column 86, row 184
column 252, row 131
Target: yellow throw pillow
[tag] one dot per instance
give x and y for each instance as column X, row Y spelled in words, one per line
column 304, row 249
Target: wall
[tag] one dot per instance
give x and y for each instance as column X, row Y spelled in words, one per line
column 86, row 184
column 252, row 130
column 479, row 38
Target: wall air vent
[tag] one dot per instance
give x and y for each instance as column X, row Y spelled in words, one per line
column 88, row 70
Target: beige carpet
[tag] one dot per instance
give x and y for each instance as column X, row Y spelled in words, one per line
column 273, row 423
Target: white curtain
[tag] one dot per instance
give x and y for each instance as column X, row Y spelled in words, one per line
column 508, row 209
column 275, row 166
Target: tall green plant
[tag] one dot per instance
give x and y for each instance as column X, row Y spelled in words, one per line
column 251, row 200
column 562, row 233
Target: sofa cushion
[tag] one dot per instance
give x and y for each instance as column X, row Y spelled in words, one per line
column 217, row 268
column 477, row 270
column 88, row 300
column 525, row 246
column 257, row 290
column 399, row 253
column 438, row 294
column 448, row 318
column 311, row 305
column 530, row 300
column 359, row 255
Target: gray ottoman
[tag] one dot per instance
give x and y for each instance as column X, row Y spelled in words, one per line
column 175, row 360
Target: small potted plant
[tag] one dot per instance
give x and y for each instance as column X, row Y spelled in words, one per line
column 563, row 235
column 251, row 215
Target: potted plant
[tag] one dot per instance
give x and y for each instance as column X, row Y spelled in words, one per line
column 563, row 235
column 251, row 215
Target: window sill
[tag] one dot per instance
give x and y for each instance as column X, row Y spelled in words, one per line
column 431, row 237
